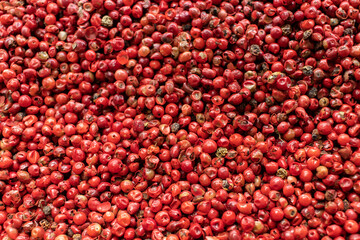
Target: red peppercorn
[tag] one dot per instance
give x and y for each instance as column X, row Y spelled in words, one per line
column 276, row 214
column 179, row 120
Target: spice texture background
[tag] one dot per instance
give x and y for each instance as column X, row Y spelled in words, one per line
column 179, row 120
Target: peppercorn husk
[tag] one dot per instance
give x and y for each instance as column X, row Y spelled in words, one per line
column 107, row 21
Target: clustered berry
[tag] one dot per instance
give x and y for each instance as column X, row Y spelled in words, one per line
column 179, row 120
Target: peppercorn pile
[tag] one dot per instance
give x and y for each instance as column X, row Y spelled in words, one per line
column 179, row 120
